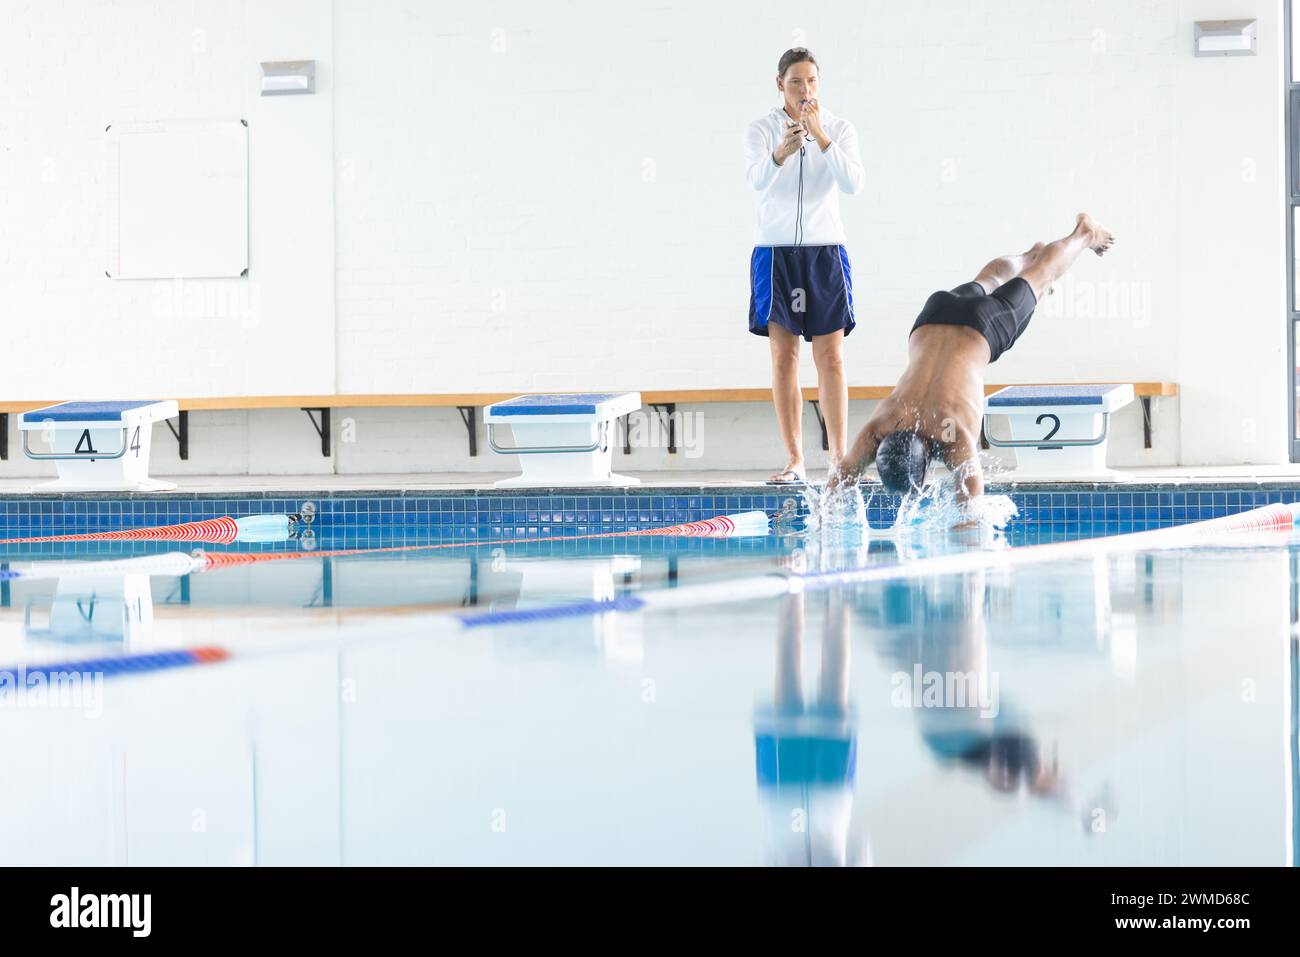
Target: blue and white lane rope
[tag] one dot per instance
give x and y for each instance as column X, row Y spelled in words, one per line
column 1263, row 522
column 21, row 676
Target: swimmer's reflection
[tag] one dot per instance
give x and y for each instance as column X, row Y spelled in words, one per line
column 806, row 750
column 934, row 633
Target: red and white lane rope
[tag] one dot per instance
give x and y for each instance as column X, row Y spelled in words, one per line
column 722, row 526
column 216, row 531
column 224, row 530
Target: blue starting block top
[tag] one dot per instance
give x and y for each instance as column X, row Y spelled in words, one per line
column 1036, row 395
column 574, row 403
column 110, row 412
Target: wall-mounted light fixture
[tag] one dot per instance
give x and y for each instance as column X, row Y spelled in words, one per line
column 1226, row 37
column 287, row 77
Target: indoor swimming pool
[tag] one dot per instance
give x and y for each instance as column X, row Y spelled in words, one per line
column 517, row 701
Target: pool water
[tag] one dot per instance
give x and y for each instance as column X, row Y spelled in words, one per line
column 1123, row 708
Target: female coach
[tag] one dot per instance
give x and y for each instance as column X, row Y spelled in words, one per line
column 799, row 157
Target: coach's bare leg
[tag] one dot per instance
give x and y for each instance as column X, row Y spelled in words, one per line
column 1055, row 259
column 789, row 653
column 786, row 396
column 833, row 393
column 833, row 683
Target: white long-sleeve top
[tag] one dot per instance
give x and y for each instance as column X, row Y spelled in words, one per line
column 825, row 175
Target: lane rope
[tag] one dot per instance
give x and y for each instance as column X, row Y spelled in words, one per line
column 752, row 523
column 1259, row 526
column 216, row 531
column 722, row 526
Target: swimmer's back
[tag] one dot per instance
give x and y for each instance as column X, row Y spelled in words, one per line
column 944, row 379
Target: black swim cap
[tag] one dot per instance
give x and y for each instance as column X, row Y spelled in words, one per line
column 902, row 459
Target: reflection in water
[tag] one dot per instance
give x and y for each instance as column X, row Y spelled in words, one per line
column 806, row 752
column 116, row 610
column 932, row 635
column 935, row 634
column 971, row 723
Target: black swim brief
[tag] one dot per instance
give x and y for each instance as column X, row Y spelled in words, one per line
column 1000, row 316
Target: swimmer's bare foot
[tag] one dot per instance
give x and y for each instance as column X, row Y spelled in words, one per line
column 1100, row 238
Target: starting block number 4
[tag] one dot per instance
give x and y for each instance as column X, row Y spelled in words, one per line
column 98, row 445
column 85, row 447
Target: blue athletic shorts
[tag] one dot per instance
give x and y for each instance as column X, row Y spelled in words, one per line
column 806, row 289
column 805, row 759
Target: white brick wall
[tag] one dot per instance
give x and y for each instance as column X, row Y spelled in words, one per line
column 68, row 70
column 550, row 196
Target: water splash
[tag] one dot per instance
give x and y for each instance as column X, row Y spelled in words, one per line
column 935, row 508
column 832, row 550
column 994, row 511
column 840, row 508
column 932, row 509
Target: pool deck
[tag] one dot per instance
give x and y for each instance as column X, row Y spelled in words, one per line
column 461, row 483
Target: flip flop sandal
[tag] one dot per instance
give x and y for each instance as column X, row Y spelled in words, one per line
column 781, row 479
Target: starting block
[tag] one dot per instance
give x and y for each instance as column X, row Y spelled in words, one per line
column 98, row 445
column 115, row 609
column 562, row 439
column 1057, row 429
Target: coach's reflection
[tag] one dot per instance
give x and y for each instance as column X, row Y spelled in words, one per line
column 806, row 748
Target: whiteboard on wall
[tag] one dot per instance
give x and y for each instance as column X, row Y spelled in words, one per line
column 178, row 200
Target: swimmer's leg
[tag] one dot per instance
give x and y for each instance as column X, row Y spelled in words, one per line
column 1006, row 268
column 1055, row 259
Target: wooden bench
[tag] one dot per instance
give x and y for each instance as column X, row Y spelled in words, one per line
column 1144, row 391
column 470, row 405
